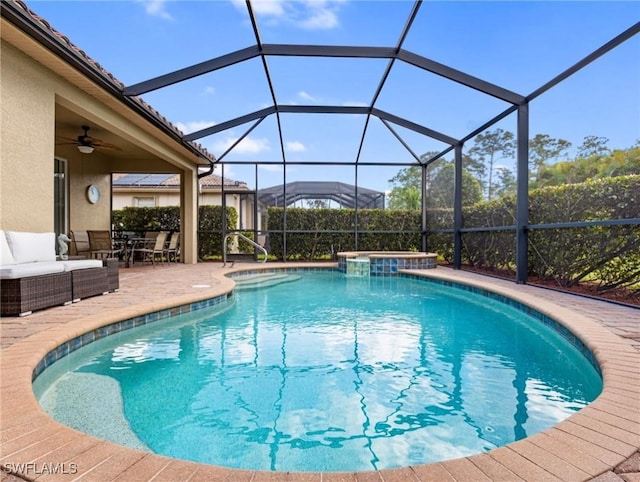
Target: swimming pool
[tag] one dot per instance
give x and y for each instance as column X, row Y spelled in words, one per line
column 410, row 386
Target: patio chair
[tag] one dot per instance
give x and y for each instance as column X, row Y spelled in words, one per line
column 172, row 248
column 101, row 245
column 151, row 251
column 151, row 235
column 79, row 245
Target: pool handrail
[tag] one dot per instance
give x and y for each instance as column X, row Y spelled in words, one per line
column 249, row 240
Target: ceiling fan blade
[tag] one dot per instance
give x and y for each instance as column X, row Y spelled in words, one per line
column 99, row 143
column 86, row 140
column 70, row 139
column 106, row 145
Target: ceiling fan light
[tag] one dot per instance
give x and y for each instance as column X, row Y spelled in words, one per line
column 85, row 149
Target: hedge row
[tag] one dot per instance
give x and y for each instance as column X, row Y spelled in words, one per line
column 387, row 231
column 140, row 220
column 608, row 255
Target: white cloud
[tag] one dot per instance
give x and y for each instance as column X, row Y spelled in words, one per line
column 319, row 14
column 270, row 8
column 295, row 146
column 273, row 8
column 321, row 19
column 308, row 15
column 248, row 145
column 355, row 103
column 229, row 173
column 156, row 8
column 271, row 167
column 193, row 126
column 209, row 89
column 306, row 96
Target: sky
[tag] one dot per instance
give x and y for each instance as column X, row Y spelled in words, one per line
column 515, row 45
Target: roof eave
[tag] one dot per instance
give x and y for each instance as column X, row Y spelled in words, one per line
column 12, row 12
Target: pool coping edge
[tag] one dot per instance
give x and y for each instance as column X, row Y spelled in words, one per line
column 617, row 438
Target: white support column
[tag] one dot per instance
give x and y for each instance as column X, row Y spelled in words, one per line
column 189, row 216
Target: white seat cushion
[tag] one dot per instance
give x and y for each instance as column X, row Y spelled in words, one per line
column 24, row 270
column 74, row 264
column 30, row 247
column 5, row 252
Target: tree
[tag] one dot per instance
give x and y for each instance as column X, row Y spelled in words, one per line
column 619, row 162
column 506, row 181
column 407, row 186
column 407, row 189
column 543, row 149
column 440, row 194
column 593, row 146
column 564, row 172
column 475, row 167
column 318, row 203
column 489, row 148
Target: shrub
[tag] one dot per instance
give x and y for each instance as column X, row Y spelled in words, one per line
column 308, row 237
column 605, row 255
column 167, row 218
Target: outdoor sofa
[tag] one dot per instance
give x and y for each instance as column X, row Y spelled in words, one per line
column 32, row 278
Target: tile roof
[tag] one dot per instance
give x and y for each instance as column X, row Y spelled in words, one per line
column 171, row 181
column 88, row 61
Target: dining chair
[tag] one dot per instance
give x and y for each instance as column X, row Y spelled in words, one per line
column 150, row 251
column 172, row 248
column 79, row 245
column 101, row 245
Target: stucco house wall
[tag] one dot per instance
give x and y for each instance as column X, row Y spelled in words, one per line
column 30, row 96
column 27, row 93
column 43, row 98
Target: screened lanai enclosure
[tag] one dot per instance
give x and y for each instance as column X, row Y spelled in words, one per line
column 490, row 133
column 505, row 194
column 321, row 194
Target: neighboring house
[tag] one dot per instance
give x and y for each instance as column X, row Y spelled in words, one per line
column 151, row 190
column 55, row 174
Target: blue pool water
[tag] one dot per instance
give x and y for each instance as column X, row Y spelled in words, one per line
column 325, row 373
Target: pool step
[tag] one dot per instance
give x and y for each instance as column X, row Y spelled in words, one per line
column 263, row 280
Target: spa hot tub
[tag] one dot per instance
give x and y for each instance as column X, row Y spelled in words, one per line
column 383, row 263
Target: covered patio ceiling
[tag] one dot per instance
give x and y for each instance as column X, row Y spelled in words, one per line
column 68, row 126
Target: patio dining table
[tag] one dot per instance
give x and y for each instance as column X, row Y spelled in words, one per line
column 130, row 244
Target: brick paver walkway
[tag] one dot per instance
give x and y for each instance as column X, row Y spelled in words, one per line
column 589, row 446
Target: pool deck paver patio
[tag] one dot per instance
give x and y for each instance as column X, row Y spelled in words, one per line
column 588, row 446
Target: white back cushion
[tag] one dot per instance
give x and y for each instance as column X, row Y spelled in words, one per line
column 5, row 252
column 30, row 247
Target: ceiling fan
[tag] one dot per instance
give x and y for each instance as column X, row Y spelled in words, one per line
column 86, row 144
